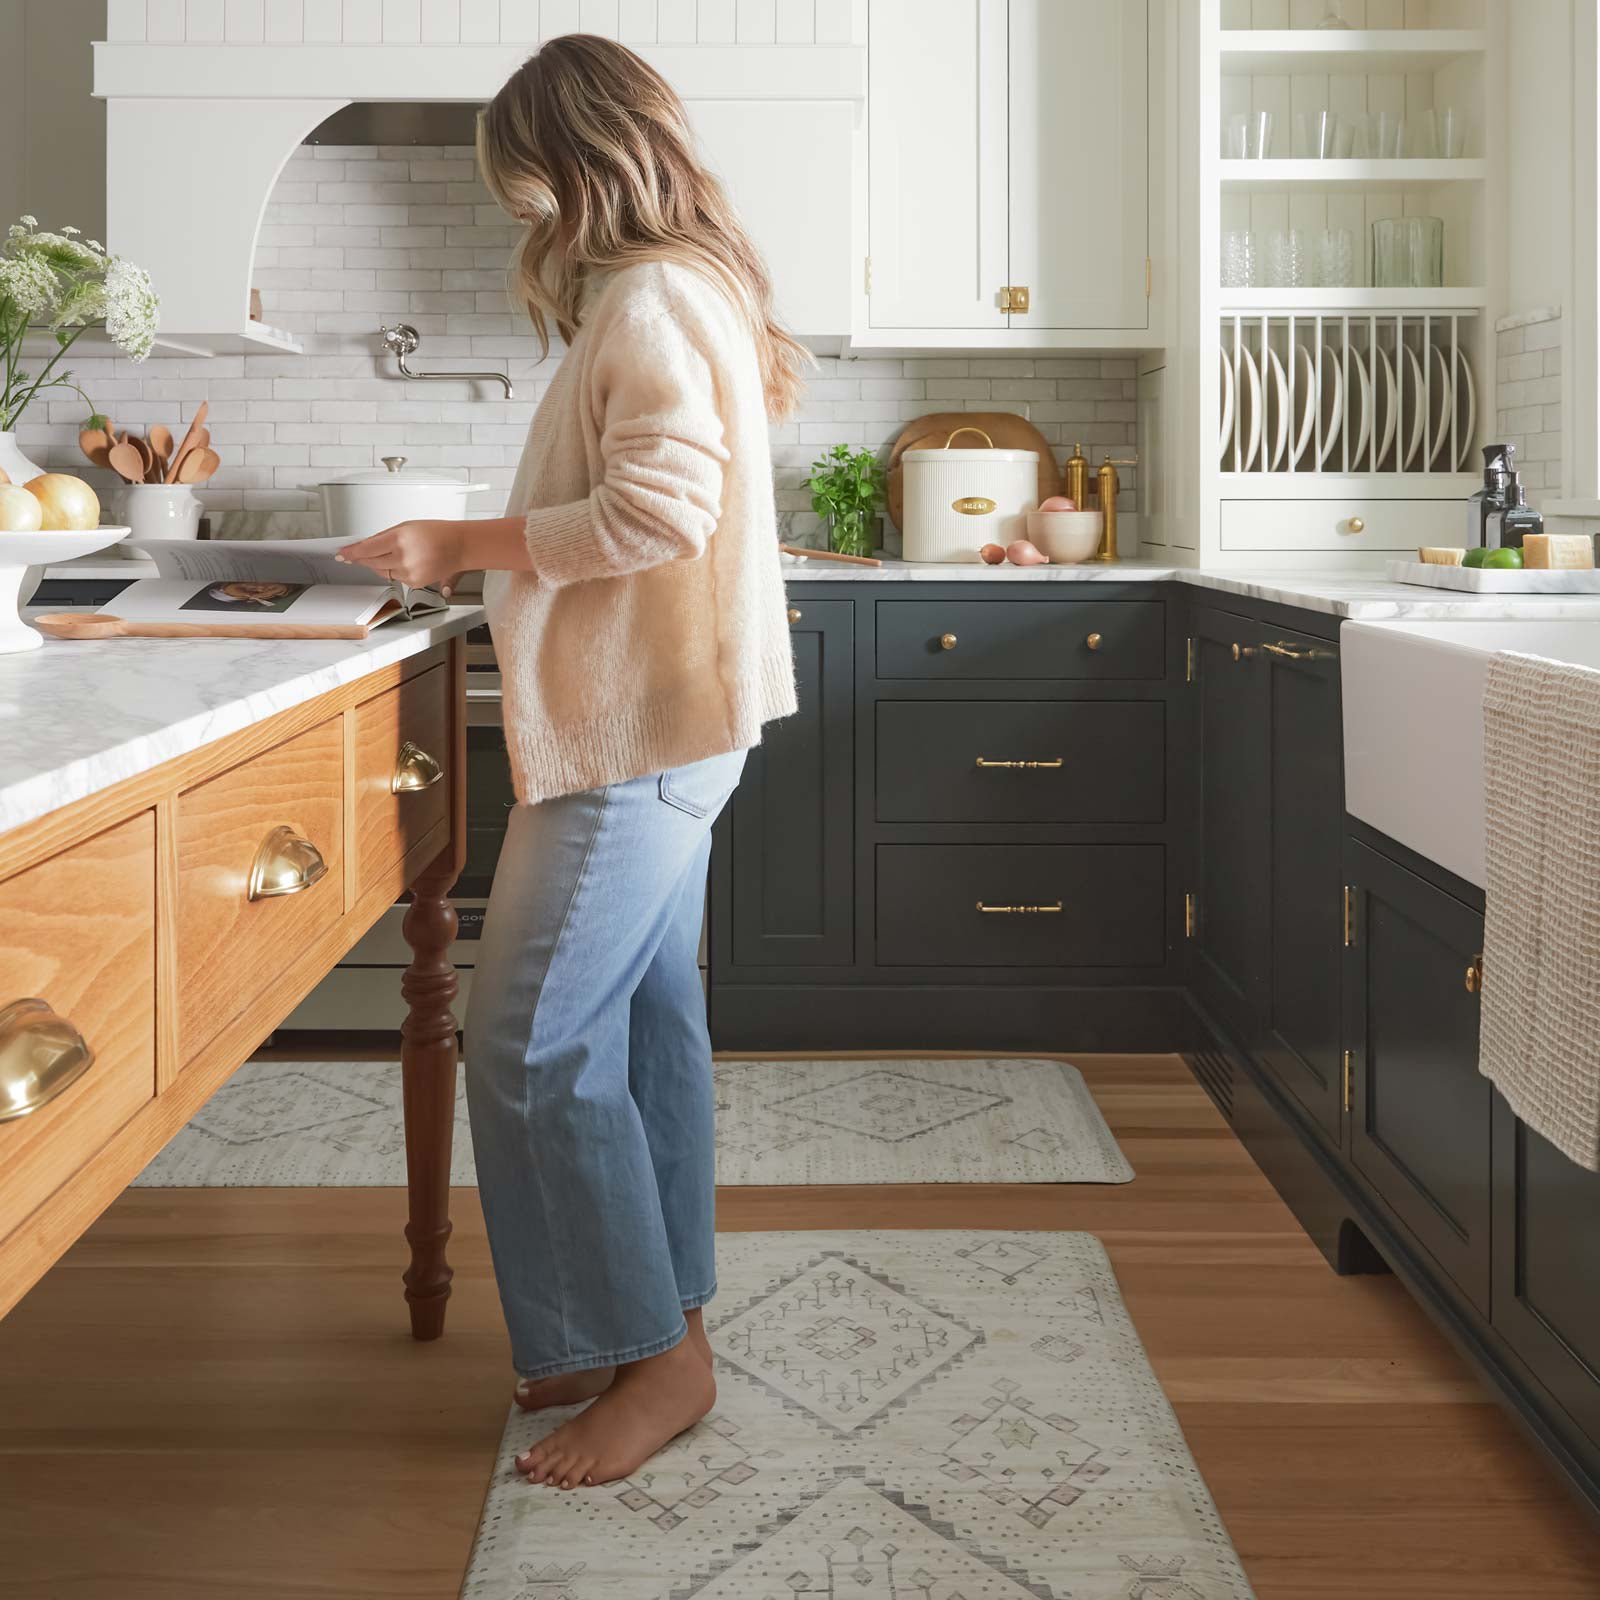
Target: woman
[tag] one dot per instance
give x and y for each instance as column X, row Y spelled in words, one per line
column 637, row 609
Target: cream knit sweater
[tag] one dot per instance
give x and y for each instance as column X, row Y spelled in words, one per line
column 651, row 630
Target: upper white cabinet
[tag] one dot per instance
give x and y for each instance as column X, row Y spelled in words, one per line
column 1008, row 165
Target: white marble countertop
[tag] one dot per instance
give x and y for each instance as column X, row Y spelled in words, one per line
column 79, row 716
column 1364, row 597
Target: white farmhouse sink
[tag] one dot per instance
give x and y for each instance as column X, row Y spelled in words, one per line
column 1413, row 724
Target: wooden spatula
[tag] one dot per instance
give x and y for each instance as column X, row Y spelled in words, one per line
column 188, row 441
column 98, row 625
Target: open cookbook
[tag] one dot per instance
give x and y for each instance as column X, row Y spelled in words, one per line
column 267, row 582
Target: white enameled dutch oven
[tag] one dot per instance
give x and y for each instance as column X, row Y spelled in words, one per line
column 958, row 500
column 367, row 502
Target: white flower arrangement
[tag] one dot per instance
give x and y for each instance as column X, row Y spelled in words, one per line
column 65, row 283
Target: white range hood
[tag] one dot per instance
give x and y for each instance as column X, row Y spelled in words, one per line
column 197, row 133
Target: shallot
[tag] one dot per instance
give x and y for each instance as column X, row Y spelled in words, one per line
column 1024, row 553
column 1058, row 502
column 992, row 554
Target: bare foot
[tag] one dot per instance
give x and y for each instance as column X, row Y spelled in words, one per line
column 649, row 1403
column 573, row 1388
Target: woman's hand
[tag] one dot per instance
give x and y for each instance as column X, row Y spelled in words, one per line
column 422, row 555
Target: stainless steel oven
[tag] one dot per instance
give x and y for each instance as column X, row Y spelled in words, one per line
column 362, row 994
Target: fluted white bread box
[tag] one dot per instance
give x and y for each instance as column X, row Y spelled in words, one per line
column 958, row 500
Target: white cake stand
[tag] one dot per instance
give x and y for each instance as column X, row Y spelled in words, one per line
column 18, row 552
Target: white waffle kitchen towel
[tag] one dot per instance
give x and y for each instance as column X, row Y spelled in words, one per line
column 1540, row 1038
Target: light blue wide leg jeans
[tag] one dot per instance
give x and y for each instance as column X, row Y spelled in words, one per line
column 589, row 1070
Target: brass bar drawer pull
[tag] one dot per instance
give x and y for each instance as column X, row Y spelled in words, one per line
column 1019, row 911
column 1031, row 766
column 41, row 1055
column 286, row 863
column 1290, row 653
column 414, row 769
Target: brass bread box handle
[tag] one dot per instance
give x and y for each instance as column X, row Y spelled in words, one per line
column 41, row 1055
column 414, row 769
column 286, row 863
column 947, row 641
column 956, row 432
column 1019, row 911
column 1040, row 766
column 1474, row 977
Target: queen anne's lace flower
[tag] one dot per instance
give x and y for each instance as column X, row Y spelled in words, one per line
column 30, row 285
column 131, row 307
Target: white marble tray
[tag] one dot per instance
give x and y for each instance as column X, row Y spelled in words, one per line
column 1496, row 580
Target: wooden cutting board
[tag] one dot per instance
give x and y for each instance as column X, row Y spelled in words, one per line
column 1006, row 432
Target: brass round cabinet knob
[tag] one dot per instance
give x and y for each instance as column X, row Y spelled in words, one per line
column 794, row 615
column 1356, row 525
column 947, row 641
column 1093, row 641
column 1243, row 652
column 1474, row 977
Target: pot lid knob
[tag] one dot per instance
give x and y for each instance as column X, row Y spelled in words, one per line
column 394, row 463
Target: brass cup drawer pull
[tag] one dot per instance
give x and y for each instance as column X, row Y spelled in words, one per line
column 286, row 863
column 41, row 1056
column 1029, row 766
column 947, row 641
column 1474, row 977
column 1289, row 652
column 414, row 770
column 1019, row 911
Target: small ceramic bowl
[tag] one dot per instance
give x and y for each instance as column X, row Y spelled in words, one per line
column 1066, row 536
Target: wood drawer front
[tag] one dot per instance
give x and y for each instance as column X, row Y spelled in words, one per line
column 1020, row 639
column 1111, row 899
column 78, row 932
column 1399, row 525
column 231, row 949
column 388, row 825
column 1112, row 755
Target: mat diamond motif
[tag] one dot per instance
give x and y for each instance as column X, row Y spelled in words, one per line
column 333, row 1123
column 896, row 1421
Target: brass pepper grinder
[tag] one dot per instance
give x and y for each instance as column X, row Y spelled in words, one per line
column 1075, row 478
column 1107, row 487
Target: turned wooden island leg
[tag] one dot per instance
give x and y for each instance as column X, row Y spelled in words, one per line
column 428, row 1071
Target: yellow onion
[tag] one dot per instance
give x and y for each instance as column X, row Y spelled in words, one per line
column 67, row 504
column 19, row 511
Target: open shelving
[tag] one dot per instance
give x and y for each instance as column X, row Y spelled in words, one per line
column 1294, row 52
column 1406, row 173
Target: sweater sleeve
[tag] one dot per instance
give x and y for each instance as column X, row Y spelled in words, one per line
column 659, row 493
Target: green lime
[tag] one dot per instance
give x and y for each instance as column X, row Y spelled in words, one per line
column 1475, row 558
column 1503, row 558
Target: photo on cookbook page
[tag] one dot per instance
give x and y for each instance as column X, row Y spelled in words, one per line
column 252, row 597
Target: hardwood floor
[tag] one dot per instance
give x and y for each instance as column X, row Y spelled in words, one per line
column 214, row 1395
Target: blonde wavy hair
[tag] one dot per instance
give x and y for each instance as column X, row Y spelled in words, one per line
column 591, row 149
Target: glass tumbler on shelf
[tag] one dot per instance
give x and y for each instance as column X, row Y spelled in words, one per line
column 1248, row 136
column 1238, row 258
column 1443, row 134
column 1316, row 135
column 1386, row 136
column 1335, row 259
column 1425, row 247
column 1408, row 253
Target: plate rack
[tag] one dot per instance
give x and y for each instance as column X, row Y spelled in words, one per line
column 1388, row 392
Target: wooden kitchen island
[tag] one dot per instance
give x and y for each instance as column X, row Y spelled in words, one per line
column 192, row 834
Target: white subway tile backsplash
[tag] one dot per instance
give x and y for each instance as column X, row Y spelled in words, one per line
column 1527, row 401
column 356, row 237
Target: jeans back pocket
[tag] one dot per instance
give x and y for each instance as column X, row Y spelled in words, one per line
column 701, row 788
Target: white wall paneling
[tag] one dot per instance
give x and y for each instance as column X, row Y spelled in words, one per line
column 245, row 21
column 285, row 21
column 558, row 16
column 636, row 21
column 402, row 21
column 598, row 16
column 165, row 21
column 715, row 21
column 125, row 19
column 519, row 21
column 676, row 21
column 756, row 21
column 324, row 22
column 480, row 21
column 204, row 21
column 796, row 21
column 441, row 21
column 363, row 21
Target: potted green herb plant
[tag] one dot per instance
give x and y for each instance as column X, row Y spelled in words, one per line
column 847, row 488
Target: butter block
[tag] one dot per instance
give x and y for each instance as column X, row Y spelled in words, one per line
column 1441, row 555
column 1550, row 552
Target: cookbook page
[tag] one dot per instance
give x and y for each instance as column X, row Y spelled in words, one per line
column 248, row 601
column 304, row 561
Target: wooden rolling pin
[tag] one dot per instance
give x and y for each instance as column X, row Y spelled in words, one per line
column 830, row 555
column 98, row 625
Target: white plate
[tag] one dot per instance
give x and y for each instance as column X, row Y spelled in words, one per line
column 1305, row 402
column 1225, row 432
column 1332, row 402
column 1412, row 408
column 1385, row 405
column 1248, row 400
column 1359, row 397
column 1441, row 405
column 1276, row 420
column 1464, row 393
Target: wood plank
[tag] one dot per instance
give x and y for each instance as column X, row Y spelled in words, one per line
column 221, row 1375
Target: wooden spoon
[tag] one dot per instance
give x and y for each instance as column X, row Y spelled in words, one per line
column 98, row 625
column 183, row 449
column 126, row 462
column 96, row 445
column 198, row 465
column 146, row 455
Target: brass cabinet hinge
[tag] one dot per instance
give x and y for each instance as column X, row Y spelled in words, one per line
column 1349, row 915
column 866, row 274
column 1188, row 660
column 1190, row 914
column 1147, row 277
column 1349, row 1058
column 1014, row 298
